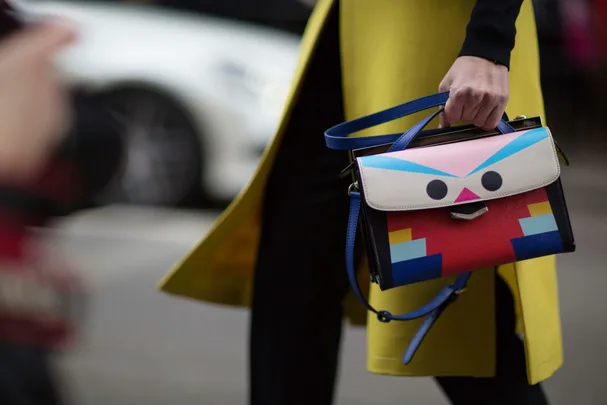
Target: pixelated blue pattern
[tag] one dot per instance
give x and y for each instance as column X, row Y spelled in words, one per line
column 408, row 250
column 538, row 245
column 416, row 270
column 538, row 224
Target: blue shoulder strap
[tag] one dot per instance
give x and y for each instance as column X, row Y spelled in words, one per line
column 337, row 138
column 431, row 310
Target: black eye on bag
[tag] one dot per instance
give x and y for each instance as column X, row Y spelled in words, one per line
column 492, row 181
column 437, row 189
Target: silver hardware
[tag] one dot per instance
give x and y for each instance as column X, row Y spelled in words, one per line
column 459, row 292
column 353, row 187
column 521, row 117
column 470, row 217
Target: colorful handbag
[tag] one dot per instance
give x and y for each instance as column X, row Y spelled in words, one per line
column 449, row 201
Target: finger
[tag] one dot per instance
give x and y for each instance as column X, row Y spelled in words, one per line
column 45, row 38
column 442, row 122
column 454, row 108
column 474, row 101
column 482, row 115
column 470, row 111
column 445, row 85
column 493, row 119
column 54, row 35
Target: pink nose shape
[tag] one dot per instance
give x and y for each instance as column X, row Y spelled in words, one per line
column 466, row 195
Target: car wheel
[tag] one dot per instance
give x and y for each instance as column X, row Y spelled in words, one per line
column 163, row 155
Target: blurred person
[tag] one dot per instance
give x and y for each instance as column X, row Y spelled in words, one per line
column 57, row 149
column 576, row 81
column 33, row 117
column 600, row 27
column 30, row 89
column 577, row 29
column 280, row 245
column 42, row 298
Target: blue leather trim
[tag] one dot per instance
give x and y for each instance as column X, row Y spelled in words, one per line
column 533, row 246
column 432, row 309
column 409, row 250
column 418, row 269
column 538, row 224
column 391, row 163
column 338, row 138
column 524, row 141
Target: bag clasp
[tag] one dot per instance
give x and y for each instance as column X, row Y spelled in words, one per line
column 468, row 212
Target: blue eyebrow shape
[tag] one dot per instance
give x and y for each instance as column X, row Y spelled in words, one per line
column 524, row 141
column 391, row 163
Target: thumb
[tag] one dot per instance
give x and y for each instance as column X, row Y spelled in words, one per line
column 442, row 122
column 445, row 85
column 45, row 38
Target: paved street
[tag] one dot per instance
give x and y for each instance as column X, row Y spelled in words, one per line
column 143, row 347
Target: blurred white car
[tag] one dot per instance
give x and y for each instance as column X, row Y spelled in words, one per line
column 200, row 96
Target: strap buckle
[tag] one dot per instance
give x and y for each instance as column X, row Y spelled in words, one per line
column 353, row 188
column 456, row 293
column 384, row 316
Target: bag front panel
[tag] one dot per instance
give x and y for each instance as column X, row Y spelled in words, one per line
column 497, row 200
column 414, row 246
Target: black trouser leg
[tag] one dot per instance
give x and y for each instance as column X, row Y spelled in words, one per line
column 510, row 386
column 300, row 278
column 26, row 377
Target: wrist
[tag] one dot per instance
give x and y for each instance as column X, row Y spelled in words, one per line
column 491, row 31
column 488, row 47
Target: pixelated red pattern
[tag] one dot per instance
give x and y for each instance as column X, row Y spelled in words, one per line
column 470, row 245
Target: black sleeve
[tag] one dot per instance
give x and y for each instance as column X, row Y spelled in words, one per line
column 491, row 31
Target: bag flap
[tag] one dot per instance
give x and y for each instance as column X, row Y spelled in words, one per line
column 458, row 173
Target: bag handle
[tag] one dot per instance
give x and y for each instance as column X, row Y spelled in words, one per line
column 404, row 141
column 432, row 310
column 337, row 137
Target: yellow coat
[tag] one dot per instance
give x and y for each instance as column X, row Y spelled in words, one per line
column 394, row 51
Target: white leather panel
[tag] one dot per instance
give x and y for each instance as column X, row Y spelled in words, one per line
column 459, row 173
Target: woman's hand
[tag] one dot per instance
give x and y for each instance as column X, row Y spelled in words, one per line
column 34, row 112
column 478, row 92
